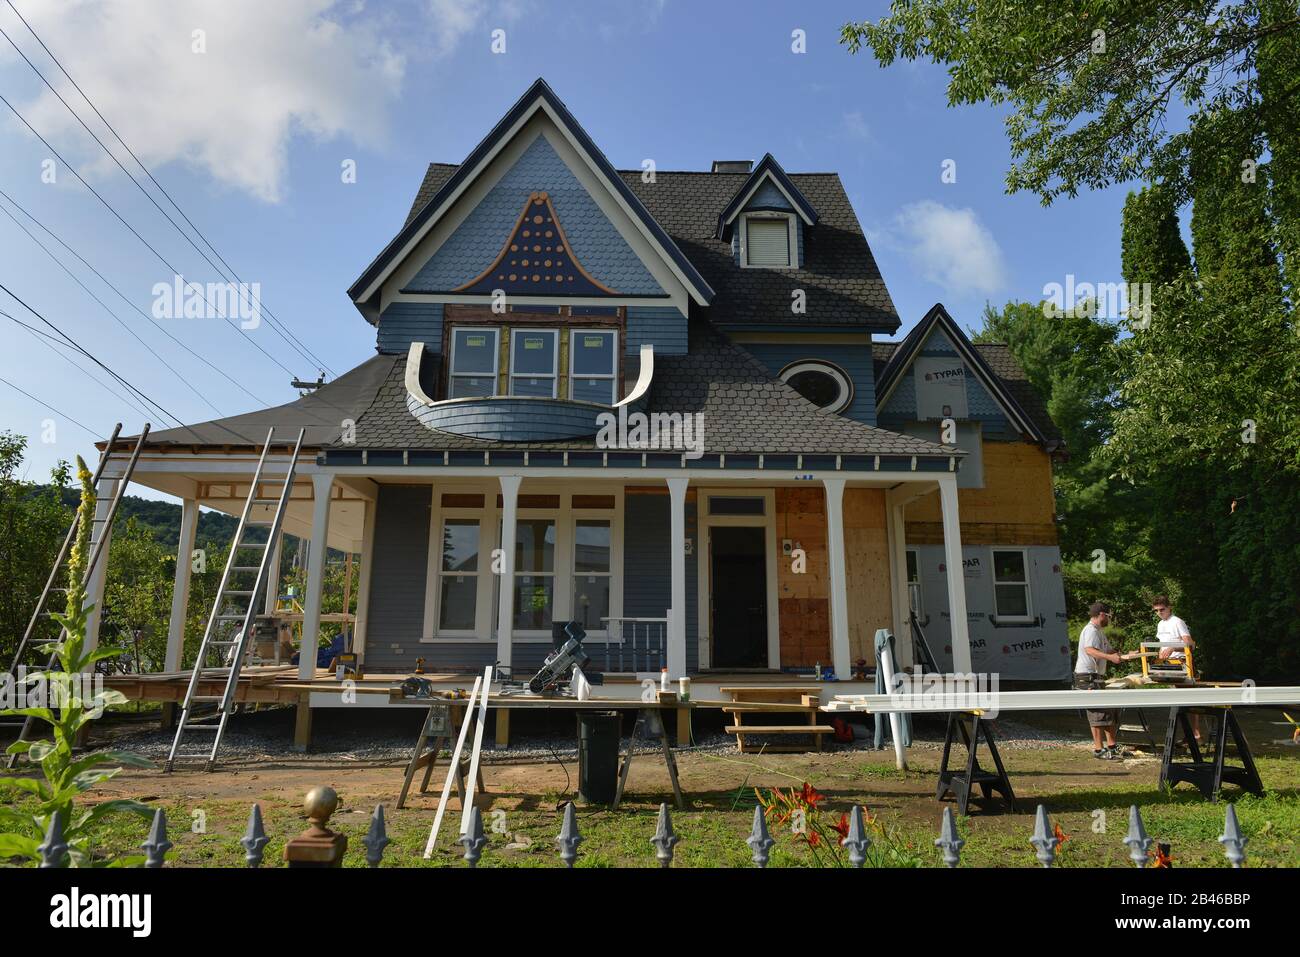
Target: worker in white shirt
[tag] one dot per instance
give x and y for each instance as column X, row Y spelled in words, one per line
column 1095, row 653
column 1171, row 629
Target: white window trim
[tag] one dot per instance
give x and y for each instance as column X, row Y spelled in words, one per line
column 828, row 368
column 613, row 374
column 792, row 239
column 452, row 375
column 554, row 374
column 918, row 584
column 1028, row 586
column 704, row 522
column 489, row 517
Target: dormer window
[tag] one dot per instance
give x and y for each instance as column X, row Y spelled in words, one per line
column 769, row 241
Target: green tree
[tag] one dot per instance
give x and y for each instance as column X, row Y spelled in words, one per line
column 138, row 595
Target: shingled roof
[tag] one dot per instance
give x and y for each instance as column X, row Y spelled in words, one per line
column 745, row 410
column 840, row 277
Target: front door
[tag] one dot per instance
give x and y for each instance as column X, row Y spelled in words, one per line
column 738, row 579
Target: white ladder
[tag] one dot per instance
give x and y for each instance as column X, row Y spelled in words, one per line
column 230, row 648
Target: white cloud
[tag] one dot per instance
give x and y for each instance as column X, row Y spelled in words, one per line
column 855, row 127
column 272, row 69
column 949, row 246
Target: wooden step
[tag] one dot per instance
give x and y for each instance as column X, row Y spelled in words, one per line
column 780, row 729
column 768, row 708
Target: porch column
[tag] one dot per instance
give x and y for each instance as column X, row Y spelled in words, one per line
column 322, row 487
column 273, row 580
column 841, row 653
column 677, row 563
column 956, row 577
column 896, row 528
column 181, row 587
column 506, row 593
column 99, row 574
column 363, row 587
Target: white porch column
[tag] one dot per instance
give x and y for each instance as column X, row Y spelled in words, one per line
column 896, row 534
column 273, row 579
column 506, row 593
column 322, row 487
column 841, row 653
column 956, row 576
column 363, row 588
column 677, row 551
column 99, row 575
column 181, row 587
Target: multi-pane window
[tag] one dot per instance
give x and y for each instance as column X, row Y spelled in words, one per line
column 458, row 575
column 914, row 585
column 767, row 241
column 592, row 544
column 1011, row 585
column 534, row 359
column 534, row 574
column 473, row 367
column 593, row 365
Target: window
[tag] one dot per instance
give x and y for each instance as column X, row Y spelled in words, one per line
column 458, row 575
column 824, row 384
column 1011, row 586
column 592, row 545
column 534, row 355
column 735, row 505
column 914, row 585
column 593, row 365
column 473, row 363
column 767, row 241
column 534, row 574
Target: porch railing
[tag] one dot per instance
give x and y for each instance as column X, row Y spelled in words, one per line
column 635, row 644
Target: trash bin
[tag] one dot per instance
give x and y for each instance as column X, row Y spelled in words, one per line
column 598, row 735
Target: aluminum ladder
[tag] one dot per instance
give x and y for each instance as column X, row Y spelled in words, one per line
column 98, row 537
column 229, row 647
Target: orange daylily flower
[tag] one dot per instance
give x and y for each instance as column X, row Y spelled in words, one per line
column 842, row 828
column 1060, row 835
column 1160, row 859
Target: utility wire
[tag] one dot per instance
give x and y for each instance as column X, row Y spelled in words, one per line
column 88, row 431
column 184, row 381
column 133, row 230
column 121, row 295
column 273, row 320
column 87, row 354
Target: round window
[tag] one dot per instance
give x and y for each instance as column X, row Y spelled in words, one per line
column 821, row 383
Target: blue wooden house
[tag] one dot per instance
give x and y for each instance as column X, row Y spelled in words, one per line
column 662, row 404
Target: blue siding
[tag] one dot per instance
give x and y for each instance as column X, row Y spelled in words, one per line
column 768, row 197
column 647, row 565
column 510, row 420
column 664, row 326
column 405, row 322
column 853, row 359
column 397, row 578
column 593, row 238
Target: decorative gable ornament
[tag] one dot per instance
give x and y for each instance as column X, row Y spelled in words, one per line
column 537, row 259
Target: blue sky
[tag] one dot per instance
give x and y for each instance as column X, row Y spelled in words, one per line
column 249, row 137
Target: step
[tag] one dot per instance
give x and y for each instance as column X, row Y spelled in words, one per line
column 767, row 708
column 779, row 729
column 251, row 545
column 245, row 568
column 238, row 593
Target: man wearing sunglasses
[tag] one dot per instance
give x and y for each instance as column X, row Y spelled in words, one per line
column 1173, row 634
column 1095, row 653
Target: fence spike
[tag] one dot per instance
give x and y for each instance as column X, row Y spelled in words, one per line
column 254, row 840
column 54, row 850
column 1233, row 841
column 376, row 838
column 156, row 845
column 948, row 840
column 759, row 840
column 664, row 840
column 568, row 839
column 857, row 840
column 1136, row 839
column 1044, row 840
column 473, row 839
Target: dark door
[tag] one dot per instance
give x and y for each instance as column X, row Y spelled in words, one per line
column 738, row 574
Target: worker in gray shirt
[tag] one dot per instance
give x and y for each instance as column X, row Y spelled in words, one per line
column 1095, row 653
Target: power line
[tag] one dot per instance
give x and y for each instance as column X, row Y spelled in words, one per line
column 185, row 382
column 86, row 429
column 132, row 229
column 121, row 295
column 273, row 320
column 87, row 354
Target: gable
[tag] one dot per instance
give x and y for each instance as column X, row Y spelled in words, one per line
column 572, row 246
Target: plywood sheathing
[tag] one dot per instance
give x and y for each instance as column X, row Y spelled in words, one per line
column 1015, row 506
column 803, row 599
column 866, row 546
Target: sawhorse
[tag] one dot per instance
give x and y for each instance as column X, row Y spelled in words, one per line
column 652, row 716
column 440, row 731
column 1208, row 776
column 960, row 782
